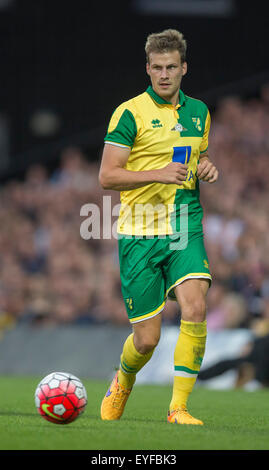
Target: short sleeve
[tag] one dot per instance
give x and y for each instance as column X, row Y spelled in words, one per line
column 204, row 143
column 122, row 129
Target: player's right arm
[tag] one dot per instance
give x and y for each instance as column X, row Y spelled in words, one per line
column 114, row 175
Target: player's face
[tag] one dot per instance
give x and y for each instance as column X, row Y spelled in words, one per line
column 166, row 72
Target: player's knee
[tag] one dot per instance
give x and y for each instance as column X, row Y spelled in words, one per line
column 195, row 311
column 146, row 343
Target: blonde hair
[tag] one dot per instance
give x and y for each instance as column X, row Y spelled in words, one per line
column 166, row 41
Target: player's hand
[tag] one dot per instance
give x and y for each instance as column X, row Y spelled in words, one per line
column 173, row 173
column 206, row 171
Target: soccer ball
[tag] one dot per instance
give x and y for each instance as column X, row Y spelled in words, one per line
column 60, row 397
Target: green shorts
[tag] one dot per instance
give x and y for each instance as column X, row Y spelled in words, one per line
column 151, row 267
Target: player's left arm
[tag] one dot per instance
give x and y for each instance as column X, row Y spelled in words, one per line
column 206, row 170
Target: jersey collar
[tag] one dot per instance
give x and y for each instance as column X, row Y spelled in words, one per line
column 160, row 100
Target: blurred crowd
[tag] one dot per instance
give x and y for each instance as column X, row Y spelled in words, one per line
column 50, row 274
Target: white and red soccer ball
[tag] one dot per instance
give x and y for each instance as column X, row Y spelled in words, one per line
column 60, row 397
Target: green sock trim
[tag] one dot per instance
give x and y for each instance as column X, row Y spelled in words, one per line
column 186, row 369
column 127, row 369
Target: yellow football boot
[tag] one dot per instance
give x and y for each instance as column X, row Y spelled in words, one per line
column 114, row 401
column 181, row 416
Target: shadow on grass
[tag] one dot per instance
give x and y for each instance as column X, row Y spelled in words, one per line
column 16, row 413
column 142, row 420
column 37, row 416
column 84, row 418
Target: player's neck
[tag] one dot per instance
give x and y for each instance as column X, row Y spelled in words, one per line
column 174, row 99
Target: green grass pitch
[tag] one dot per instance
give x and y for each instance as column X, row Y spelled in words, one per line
column 234, row 420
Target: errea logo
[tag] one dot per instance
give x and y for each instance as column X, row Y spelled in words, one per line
column 156, row 123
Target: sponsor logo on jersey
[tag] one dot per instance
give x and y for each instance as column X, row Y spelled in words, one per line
column 178, row 127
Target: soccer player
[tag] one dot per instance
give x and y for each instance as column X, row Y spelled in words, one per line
column 155, row 153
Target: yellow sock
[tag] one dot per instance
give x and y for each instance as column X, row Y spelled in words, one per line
column 131, row 361
column 188, row 356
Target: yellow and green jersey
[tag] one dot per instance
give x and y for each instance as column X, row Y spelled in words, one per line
column 158, row 133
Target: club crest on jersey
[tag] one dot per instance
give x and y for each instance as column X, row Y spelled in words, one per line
column 197, row 122
column 178, row 127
